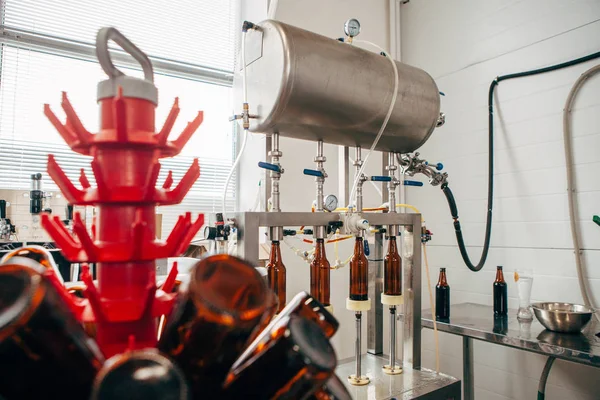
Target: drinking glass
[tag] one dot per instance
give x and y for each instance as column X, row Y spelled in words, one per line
column 524, row 280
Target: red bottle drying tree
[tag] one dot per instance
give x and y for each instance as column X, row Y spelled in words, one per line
column 126, row 151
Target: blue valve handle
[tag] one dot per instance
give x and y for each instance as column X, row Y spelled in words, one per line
column 439, row 166
column 313, row 172
column 269, row 166
column 367, row 251
column 413, row 183
column 381, row 178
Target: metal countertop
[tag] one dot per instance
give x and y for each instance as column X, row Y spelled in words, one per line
column 477, row 321
column 421, row 384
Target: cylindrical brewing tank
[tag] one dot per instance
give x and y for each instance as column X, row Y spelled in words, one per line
column 307, row 86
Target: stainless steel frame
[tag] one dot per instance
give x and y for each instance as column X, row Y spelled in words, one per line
column 375, row 314
column 249, row 223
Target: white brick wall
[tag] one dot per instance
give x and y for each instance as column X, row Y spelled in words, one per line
column 464, row 45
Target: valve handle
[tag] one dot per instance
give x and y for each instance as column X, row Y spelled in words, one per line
column 381, row 178
column 413, row 183
column 367, row 250
column 269, row 166
column 102, row 38
column 439, row 166
column 313, row 172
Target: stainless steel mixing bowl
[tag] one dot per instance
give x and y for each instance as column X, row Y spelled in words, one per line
column 562, row 317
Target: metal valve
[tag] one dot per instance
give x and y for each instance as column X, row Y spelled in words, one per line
column 314, row 172
column 381, row 178
column 412, row 165
column 270, row 167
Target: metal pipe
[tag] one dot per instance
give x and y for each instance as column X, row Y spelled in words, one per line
column 276, row 232
column 392, row 184
column 468, row 382
column 358, row 344
column 275, row 153
column 319, row 232
column 320, row 159
column 359, row 194
column 344, row 180
column 392, row 337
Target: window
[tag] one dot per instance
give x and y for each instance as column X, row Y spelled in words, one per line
column 47, row 47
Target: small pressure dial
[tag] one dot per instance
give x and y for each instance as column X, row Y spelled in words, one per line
column 331, row 202
column 352, row 27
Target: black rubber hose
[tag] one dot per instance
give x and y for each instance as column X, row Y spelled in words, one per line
column 448, row 192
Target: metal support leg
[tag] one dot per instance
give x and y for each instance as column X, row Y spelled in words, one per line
column 358, row 346
column 468, row 383
column 393, row 368
column 392, row 336
column 357, row 379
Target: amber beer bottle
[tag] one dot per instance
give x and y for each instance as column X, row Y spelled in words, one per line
column 319, row 274
column 39, row 255
column 44, row 351
column 140, row 375
column 392, row 270
column 294, row 360
column 214, row 319
column 500, row 293
column 442, row 297
column 359, row 272
column 276, row 274
column 302, row 305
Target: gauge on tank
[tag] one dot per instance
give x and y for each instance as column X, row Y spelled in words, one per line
column 352, row 27
column 331, row 202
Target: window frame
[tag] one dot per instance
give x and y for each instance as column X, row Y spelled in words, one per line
column 84, row 51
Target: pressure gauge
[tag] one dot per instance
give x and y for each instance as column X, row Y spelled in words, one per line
column 352, row 27
column 331, row 202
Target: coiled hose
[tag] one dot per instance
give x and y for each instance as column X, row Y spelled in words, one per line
column 446, row 188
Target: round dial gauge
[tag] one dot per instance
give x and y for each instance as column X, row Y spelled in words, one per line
column 331, row 202
column 352, row 27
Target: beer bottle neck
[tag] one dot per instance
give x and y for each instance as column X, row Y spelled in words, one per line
column 392, row 245
column 359, row 247
column 499, row 275
column 275, row 255
column 442, row 279
column 320, row 249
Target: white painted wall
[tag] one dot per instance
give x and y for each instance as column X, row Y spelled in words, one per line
column 298, row 191
column 464, row 45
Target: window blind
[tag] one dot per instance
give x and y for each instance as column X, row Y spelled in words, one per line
column 193, row 31
column 31, row 76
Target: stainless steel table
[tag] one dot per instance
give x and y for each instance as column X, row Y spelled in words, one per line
column 475, row 321
column 421, row 384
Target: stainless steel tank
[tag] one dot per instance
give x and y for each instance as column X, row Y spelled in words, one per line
column 307, row 86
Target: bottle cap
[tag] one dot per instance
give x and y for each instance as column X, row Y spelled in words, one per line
column 442, row 269
column 499, row 267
